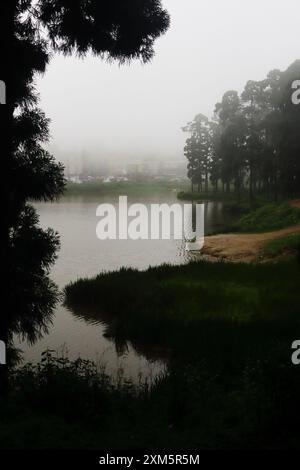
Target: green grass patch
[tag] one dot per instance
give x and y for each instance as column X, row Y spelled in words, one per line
column 62, row 404
column 283, row 245
column 268, row 218
column 183, row 307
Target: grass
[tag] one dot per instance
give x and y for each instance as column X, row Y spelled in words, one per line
column 60, row 404
column 188, row 308
column 289, row 244
column 124, row 187
column 269, row 217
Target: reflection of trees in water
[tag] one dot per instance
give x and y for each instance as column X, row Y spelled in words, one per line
column 96, row 317
column 113, row 333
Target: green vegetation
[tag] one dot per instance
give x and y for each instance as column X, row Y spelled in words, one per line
column 283, row 245
column 268, row 218
column 130, row 188
column 226, row 333
column 63, row 404
column 174, row 306
column 230, row 203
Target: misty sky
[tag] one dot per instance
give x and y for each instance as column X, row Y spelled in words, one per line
column 137, row 111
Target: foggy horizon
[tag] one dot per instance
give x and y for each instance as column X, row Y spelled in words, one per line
column 135, row 112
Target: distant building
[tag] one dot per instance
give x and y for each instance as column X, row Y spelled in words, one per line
column 115, row 179
column 74, row 179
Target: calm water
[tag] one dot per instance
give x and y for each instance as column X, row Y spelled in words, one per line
column 83, row 255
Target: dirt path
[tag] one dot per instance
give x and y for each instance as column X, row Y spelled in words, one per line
column 236, row 247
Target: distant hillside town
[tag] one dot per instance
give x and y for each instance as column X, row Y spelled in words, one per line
column 116, row 171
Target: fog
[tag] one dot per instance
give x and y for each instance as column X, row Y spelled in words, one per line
column 133, row 112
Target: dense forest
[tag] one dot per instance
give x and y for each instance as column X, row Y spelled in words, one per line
column 252, row 143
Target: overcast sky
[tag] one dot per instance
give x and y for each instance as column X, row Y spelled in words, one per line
column 137, row 111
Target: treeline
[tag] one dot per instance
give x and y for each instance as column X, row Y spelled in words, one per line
column 253, row 142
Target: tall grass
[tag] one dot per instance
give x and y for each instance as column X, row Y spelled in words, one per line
column 227, row 315
column 64, row 404
column 220, row 311
column 268, row 218
column 289, row 244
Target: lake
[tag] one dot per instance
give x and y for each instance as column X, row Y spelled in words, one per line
column 82, row 254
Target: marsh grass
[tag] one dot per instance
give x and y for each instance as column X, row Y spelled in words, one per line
column 288, row 245
column 176, row 306
column 62, row 404
column 269, row 217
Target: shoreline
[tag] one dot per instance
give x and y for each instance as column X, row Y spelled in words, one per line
column 245, row 247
